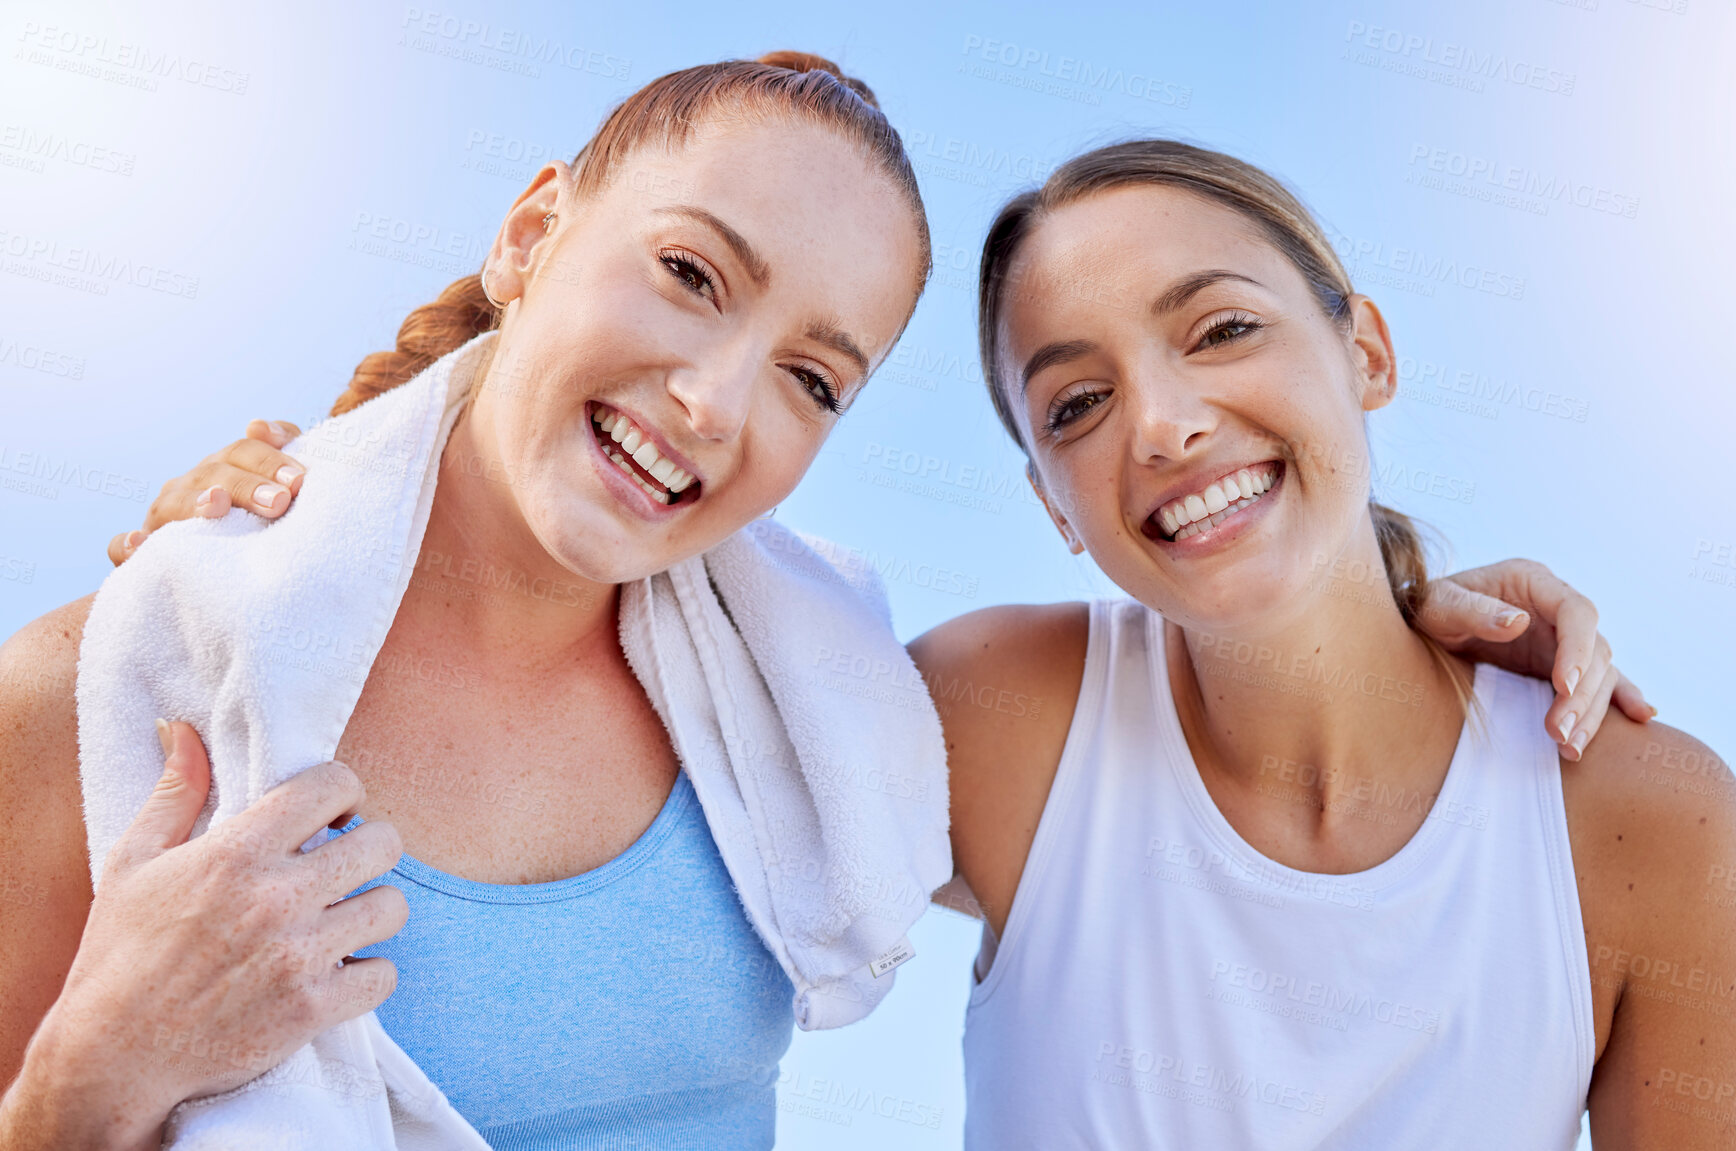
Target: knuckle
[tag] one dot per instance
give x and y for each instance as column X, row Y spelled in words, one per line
column 305, row 1011
column 325, row 784
column 391, row 843
column 118, row 861
column 387, row 910
column 339, row 776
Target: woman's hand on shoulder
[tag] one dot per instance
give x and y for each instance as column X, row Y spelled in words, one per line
column 250, row 473
column 1519, row 615
column 1652, row 813
column 1005, row 681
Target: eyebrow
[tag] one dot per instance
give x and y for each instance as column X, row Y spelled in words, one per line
column 757, row 268
column 1188, row 287
column 1051, row 354
column 1176, row 295
column 839, row 341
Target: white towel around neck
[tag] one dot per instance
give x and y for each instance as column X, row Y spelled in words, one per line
column 805, row 729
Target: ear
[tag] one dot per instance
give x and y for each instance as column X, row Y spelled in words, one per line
column 1074, row 544
column 1371, row 353
column 513, row 260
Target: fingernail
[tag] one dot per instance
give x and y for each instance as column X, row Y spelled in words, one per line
column 1567, row 722
column 165, row 737
column 1580, row 739
column 1509, row 617
column 1572, row 679
column 1654, row 711
column 267, row 495
column 134, row 539
column 204, row 498
column 277, row 429
column 288, row 474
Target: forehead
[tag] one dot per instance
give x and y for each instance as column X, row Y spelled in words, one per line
column 1113, row 252
column 833, row 227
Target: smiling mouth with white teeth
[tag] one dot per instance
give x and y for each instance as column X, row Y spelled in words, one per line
column 1222, row 498
column 631, row 450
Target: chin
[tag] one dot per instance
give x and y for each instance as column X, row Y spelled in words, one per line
column 1247, row 598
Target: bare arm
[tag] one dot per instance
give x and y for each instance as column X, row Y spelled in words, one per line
column 1652, row 814
column 197, row 965
column 44, row 866
column 1005, row 681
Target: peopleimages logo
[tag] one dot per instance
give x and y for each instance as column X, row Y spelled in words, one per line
column 34, row 148
column 1050, row 75
column 135, row 65
column 1393, row 49
column 88, row 269
column 1416, row 270
column 1484, row 178
column 513, row 49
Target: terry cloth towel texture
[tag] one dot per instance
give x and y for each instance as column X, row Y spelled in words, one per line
column 805, row 729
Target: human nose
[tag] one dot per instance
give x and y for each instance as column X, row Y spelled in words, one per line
column 1171, row 418
column 717, row 392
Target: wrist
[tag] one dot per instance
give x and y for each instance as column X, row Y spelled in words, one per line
column 67, row 1095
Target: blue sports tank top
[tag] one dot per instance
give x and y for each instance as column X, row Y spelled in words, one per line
column 630, row 1006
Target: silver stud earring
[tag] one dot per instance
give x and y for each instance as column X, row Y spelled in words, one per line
column 548, row 221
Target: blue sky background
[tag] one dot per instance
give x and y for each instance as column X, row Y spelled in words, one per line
column 187, row 199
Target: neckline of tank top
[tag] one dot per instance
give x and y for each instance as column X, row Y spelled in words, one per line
column 1382, row 875
column 680, row 799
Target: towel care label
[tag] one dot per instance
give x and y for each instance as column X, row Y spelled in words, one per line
column 898, row 953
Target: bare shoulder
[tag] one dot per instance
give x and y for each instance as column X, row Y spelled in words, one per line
column 45, row 888
column 1005, row 681
column 1000, row 675
column 1650, row 802
column 38, row 711
column 1037, row 647
column 1652, row 816
column 41, row 808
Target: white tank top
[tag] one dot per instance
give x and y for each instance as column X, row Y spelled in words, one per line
column 1161, row 984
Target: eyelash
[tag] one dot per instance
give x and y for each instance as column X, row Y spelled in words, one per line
column 1058, row 417
column 1062, row 412
column 1241, row 320
column 827, row 395
column 684, row 266
column 681, row 265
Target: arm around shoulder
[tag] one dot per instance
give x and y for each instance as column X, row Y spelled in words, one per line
column 1653, row 818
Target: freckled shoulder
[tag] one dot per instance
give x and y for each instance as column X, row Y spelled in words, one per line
column 45, row 888
column 1005, row 681
column 39, row 719
column 1652, row 817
